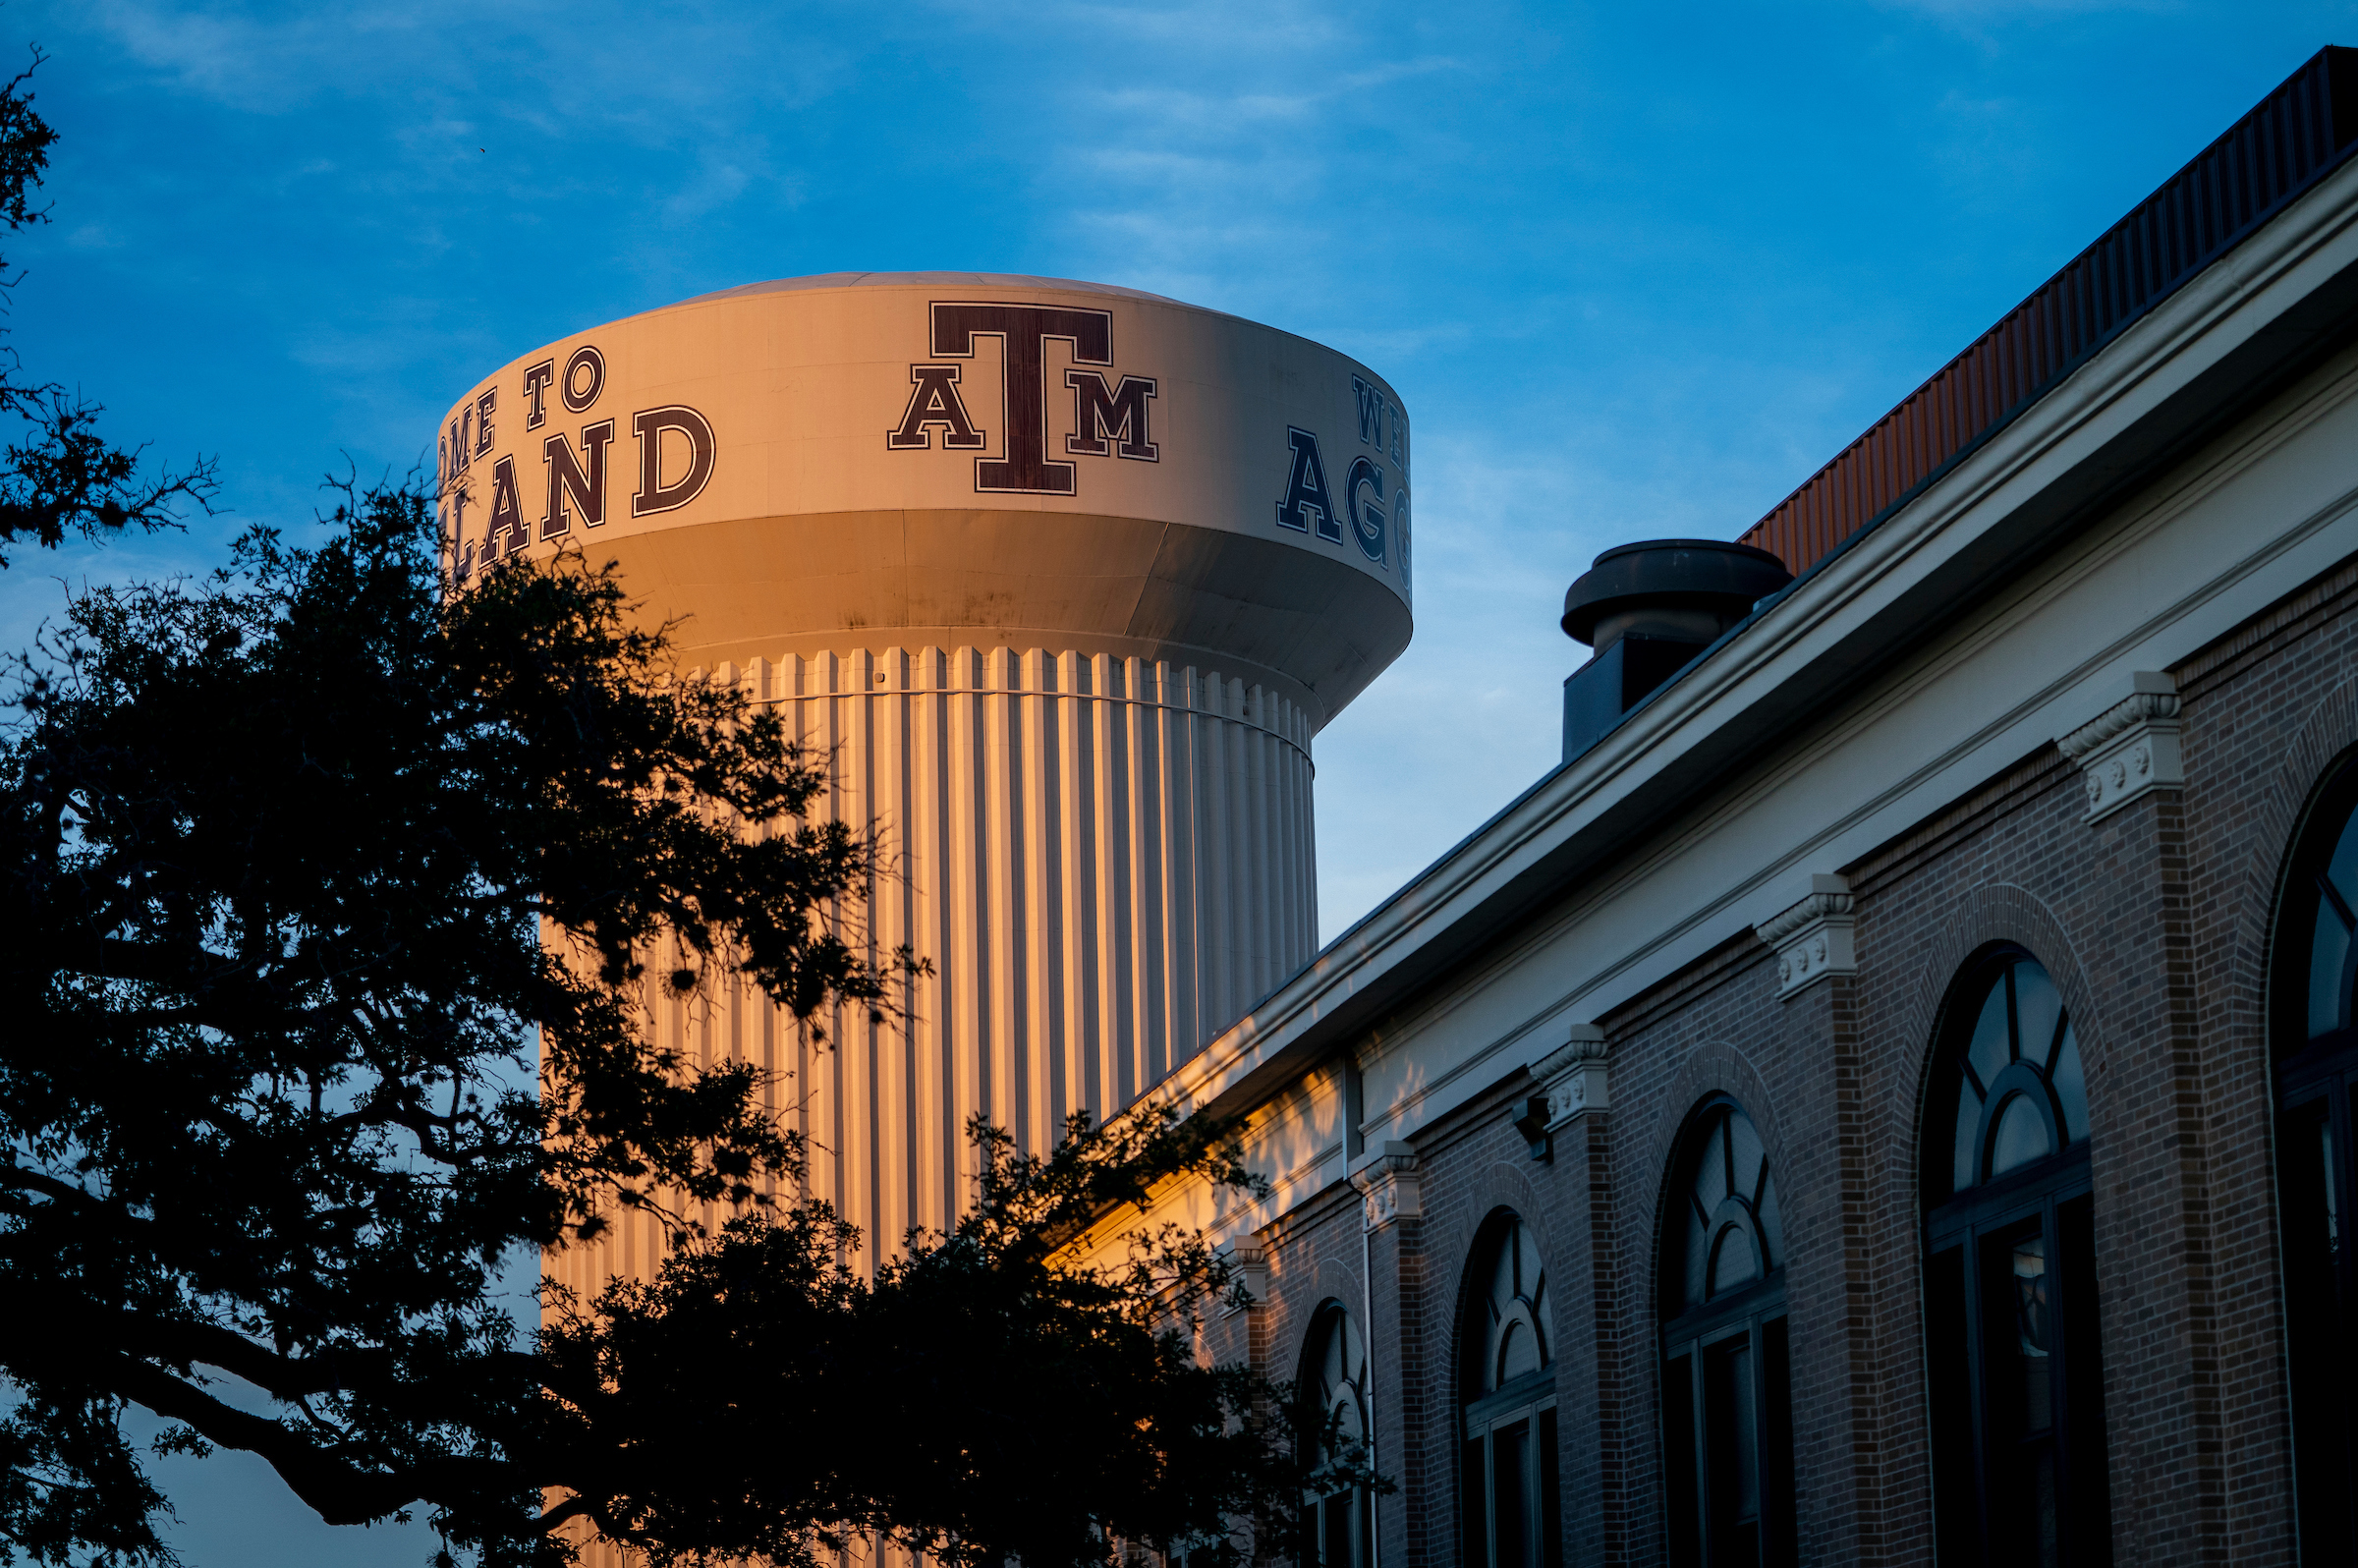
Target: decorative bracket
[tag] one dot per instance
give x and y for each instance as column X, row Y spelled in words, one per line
column 1572, row 1083
column 1390, row 1187
column 2130, row 748
column 1250, row 1257
column 1814, row 938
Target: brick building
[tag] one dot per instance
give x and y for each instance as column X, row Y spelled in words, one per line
column 1887, row 1094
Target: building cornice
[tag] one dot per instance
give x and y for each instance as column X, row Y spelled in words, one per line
column 2208, row 353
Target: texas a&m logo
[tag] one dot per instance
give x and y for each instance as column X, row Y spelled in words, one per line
column 1107, row 416
column 1113, row 417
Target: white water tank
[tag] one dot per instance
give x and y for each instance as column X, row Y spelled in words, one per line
column 1063, row 578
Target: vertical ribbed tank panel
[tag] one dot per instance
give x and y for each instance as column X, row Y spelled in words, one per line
column 1106, row 861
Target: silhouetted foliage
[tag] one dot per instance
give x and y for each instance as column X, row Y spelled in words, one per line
column 60, row 476
column 334, row 908
column 298, row 867
column 989, row 1396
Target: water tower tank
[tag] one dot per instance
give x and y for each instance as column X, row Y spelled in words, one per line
column 1063, row 578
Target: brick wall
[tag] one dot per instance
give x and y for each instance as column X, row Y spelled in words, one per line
column 2153, row 924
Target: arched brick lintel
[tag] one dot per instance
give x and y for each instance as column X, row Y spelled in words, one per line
column 1987, row 916
column 1713, row 1068
column 1449, row 1255
column 2324, row 740
column 1299, row 1302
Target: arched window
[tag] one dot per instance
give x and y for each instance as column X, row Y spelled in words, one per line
column 2314, row 1047
column 1339, row 1529
column 1727, row 1422
column 2011, row 1326
column 1507, row 1382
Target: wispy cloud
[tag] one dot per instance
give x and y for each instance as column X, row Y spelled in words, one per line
column 1635, row 273
column 538, row 63
column 2014, row 10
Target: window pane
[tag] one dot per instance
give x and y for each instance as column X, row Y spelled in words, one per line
column 1777, row 1446
column 1732, row 1453
column 1514, row 1307
column 1333, row 1368
column 1699, row 1256
column 1746, row 1155
column 1968, row 1155
column 2330, row 1197
column 2034, row 1332
column 1991, row 1048
column 2071, row 1087
column 1956, row 1482
column 1474, row 1503
column 1502, row 1275
column 2342, row 871
column 2087, row 1486
column 2018, row 1399
column 1727, row 1435
column 1510, row 1467
column 2037, row 1011
column 1733, row 1261
column 1679, row 1459
column 1552, row 1524
column 2316, row 1333
column 1335, row 1530
column 2329, row 950
column 2021, row 1135
column 1518, row 1352
column 1711, row 1169
column 1731, row 1163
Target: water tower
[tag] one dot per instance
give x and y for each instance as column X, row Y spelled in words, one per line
column 1063, row 578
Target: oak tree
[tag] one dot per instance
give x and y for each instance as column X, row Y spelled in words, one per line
column 334, row 905
column 59, row 477
column 331, row 902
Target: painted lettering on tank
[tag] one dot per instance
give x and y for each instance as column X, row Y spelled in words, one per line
column 1308, row 505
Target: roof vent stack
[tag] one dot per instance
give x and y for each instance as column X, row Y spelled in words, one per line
column 1649, row 609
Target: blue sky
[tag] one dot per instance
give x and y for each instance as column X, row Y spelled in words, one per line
column 1637, row 270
